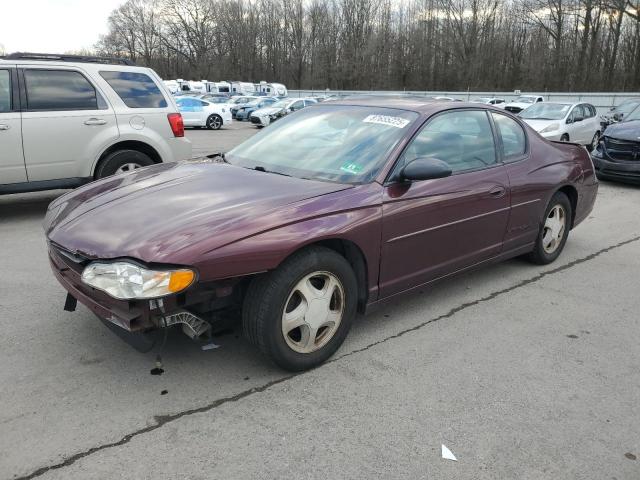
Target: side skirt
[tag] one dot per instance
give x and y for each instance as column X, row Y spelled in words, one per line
column 41, row 185
column 373, row 306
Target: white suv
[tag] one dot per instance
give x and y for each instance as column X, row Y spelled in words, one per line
column 66, row 120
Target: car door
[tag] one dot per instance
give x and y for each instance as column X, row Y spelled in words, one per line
column 433, row 228
column 576, row 127
column 12, row 168
column 66, row 123
column 525, row 196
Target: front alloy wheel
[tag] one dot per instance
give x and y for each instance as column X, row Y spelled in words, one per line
column 313, row 312
column 214, row 122
column 300, row 313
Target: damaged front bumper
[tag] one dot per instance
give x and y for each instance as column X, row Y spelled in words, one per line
column 135, row 321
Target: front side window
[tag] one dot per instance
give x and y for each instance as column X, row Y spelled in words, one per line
column 137, row 90
column 462, row 139
column 59, row 90
column 337, row 143
column 297, row 105
column 5, row 91
column 514, row 143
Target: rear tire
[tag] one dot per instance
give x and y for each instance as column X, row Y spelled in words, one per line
column 299, row 314
column 122, row 161
column 554, row 230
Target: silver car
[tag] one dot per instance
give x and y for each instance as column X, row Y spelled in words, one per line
column 264, row 116
column 66, row 120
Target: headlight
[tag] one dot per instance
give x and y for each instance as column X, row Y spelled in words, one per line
column 126, row 280
column 550, row 128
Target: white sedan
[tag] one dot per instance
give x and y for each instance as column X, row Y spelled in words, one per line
column 567, row 122
column 200, row 113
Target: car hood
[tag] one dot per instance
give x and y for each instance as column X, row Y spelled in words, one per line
column 266, row 111
column 629, row 131
column 173, row 211
column 518, row 105
column 538, row 125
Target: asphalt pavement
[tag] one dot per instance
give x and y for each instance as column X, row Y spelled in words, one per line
column 523, row 372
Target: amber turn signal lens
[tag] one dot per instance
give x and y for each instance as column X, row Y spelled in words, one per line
column 180, row 280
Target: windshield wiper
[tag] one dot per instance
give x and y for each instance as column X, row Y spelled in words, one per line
column 262, row 169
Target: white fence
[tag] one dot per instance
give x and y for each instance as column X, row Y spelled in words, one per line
column 601, row 100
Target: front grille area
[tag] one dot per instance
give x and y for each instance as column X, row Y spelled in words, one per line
column 624, row 150
column 513, row 109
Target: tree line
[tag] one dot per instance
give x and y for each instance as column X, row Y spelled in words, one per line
column 481, row 45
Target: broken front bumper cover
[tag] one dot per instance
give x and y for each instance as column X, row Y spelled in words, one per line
column 135, row 321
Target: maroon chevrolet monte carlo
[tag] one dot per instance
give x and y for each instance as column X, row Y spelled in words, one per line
column 330, row 211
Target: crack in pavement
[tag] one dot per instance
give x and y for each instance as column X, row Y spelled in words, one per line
column 162, row 420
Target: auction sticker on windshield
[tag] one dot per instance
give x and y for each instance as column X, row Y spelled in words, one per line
column 351, row 168
column 397, row 122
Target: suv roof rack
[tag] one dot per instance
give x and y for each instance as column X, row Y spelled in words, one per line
column 54, row 57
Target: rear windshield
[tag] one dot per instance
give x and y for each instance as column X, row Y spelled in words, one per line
column 137, row 90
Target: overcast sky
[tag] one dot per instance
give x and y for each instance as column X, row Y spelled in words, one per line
column 53, row 26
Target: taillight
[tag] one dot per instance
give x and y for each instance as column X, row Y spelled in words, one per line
column 177, row 125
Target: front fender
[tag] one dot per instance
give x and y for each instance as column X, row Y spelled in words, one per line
column 267, row 250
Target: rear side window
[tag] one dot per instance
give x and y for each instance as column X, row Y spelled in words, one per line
column 59, row 90
column 137, row 90
column 5, row 91
column 514, row 141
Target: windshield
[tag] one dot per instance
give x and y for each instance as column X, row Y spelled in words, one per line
column 634, row 115
column 239, row 100
column 546, row 111
column 281, row 104
column 525, row 100
column 216, row 99
column 626, row 107
column 338, row 143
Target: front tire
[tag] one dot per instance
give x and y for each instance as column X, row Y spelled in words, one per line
column 300, row 313
column 554, row 230
column 122, row 161
column 564, row 137
column 214, row 122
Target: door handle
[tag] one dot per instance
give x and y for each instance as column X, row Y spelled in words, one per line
column 95, row 121
column 4, row 127
column 498, row 191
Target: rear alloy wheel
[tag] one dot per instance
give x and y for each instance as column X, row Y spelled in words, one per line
column 122, row 161
column 214, row 122
column 300, row 313
column 553, row 231
column 594, row 141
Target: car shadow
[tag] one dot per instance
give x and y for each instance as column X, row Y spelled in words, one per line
column 26, row 206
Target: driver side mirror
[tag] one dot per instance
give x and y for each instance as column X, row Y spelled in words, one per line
column 425, row 168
